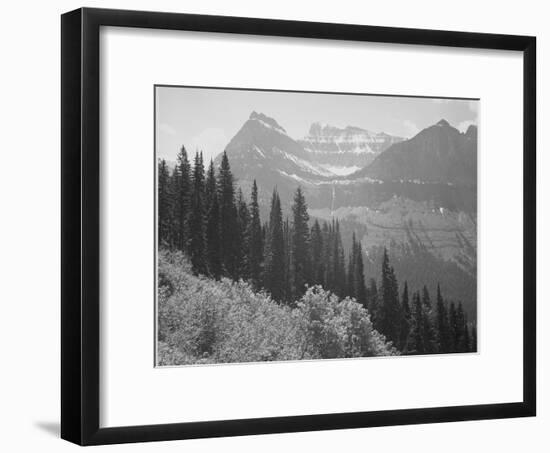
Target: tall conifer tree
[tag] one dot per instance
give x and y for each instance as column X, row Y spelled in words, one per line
column 339, row 286
column 460, row 327
column 466, row 341
column 242, row 249
column 390, row 308
column 443, row 330
column 359, row 280
column 352, row 274
column 317, row 262
column 373, row 303
column 430, row 340
column 228, row 219
column 288, row 284
column 416, row 337
column 210, row 184
column 255, row 256
column 274, row 275
column 300, row 244
column 328, row 253
column 197, row 235
column 453, row 328
column 213, row 251
column 182, row 190
column 165, row 206
column 405, row 319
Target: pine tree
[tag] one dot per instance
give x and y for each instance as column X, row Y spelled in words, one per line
column 356, row 279
column 274, row 275
column 213, row 253
column 466, row 342
column 460, row 327
column 443, row 331
column 390, row 308
column 328, row 251
column 197, row 235
column 210, row 185
column 405, row 319
column 416, row 336
column 453, row 328
column 373, row 303
column 288, row 293
column 181, row 181
column 317, row 262
column 339, row 284
column 474, row 339
column 427, row 326
column 165, row 201
column 359, row 280
column 228, row 219
column 255, row 256
column 352, row 274
column 300, row 244
column 213, row 239
column 242, row 249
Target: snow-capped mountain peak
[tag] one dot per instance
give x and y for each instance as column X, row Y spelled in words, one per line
column 267, row 122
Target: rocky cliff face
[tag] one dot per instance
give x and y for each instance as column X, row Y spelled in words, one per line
column 344, row 151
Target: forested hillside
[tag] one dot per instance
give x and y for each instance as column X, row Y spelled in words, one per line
column 227, row 277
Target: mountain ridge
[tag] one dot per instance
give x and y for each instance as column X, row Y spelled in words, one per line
column 418, row 196
column 437, row 154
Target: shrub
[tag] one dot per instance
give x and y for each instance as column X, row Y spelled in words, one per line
column 207, row 321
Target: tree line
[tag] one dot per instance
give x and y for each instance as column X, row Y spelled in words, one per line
column 201, row 214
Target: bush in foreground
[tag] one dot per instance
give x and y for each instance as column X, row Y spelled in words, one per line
column 207, row 321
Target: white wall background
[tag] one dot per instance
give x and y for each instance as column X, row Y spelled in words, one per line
column 29, row 243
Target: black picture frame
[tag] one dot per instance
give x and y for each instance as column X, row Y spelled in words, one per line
column 80, row 222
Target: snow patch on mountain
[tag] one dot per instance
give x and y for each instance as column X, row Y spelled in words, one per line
column 304, row 165
column 267, row 122
column 340, row 170
column 344, row 147
column 258, row 150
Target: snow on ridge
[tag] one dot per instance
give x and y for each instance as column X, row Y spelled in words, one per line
column 341, row 170
column 278, row 129
column 333, row 182
column 295, row 177
column 304, row 164
column 258, row 150
column 358, row 149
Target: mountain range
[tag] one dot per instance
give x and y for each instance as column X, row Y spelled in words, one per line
column 416, row 196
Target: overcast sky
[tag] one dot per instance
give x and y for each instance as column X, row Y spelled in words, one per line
column 207, row 119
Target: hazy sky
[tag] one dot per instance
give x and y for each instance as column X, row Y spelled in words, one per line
column 207, row 119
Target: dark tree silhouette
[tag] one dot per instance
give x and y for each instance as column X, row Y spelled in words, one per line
column 165, row 210
column 443, row 330
column 300, row 251
column 317, row 263
column 428, row 329
column 405, row 319
column 213, row 249
column 390, row 309
column 197, row 236
column 255, row 256
column 181, row 188
column 274, row 276
column 228, row 219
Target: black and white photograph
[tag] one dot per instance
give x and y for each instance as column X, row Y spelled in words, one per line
column 306, row 226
